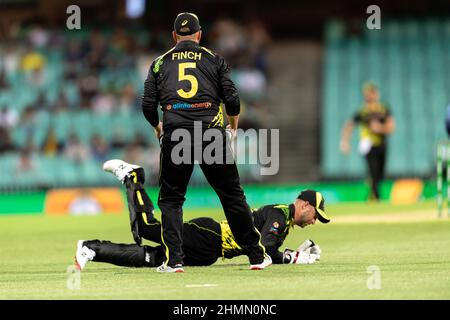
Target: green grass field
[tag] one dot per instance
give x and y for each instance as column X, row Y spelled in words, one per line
column 413, row 258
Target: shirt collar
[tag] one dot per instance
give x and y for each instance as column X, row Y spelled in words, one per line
column 186, row 43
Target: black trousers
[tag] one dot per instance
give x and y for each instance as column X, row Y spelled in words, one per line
column 223, row 178
column 202, row 239
column 126, row 255
column 202, row 242
column 202, row 245
column 376, row 160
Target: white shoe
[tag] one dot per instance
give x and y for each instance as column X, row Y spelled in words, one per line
column 119, row 168
column 83, row 255
column 267, row 262
column 164, row 268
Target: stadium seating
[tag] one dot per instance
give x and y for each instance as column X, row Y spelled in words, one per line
column 409, row 61
column 39, row 95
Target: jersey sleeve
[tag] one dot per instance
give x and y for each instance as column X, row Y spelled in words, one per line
column 228, row 91
column 272, row 235
column 150, row 99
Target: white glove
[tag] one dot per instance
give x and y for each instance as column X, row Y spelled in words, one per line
column 310, row 247
column 305, row 245
column 300, row 257
column 315, row 249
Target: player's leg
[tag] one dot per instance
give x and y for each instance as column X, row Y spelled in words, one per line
column 373, row 167
column 202, row 242
column 140, row 207
column 382, row 165
column 173, row 181
column 380, row 161
column 126, row 255
column 224, row 178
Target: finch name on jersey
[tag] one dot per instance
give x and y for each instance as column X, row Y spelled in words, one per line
column 186, row 55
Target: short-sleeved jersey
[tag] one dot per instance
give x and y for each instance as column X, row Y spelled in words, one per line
column 364, row 116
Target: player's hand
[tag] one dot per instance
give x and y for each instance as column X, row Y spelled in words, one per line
column 231, row 133
column 231, row 136
column 159, row 130
column 300, row 257
column 344, row 146
column 310, row 247
column 315, row 249
column 306, row 245
column 376, row 127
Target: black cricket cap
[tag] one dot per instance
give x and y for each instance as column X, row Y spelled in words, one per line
column 186, row 23
column 315, row 199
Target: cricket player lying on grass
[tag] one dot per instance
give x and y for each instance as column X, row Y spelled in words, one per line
column 204, row 240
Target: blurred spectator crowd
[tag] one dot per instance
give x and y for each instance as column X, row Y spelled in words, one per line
column 245, row 49
column 76, row 94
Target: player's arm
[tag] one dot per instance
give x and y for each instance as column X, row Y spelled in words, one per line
column 389, row 125
column 229, row 94
column 233, row 122
column 346, row 134
column 345, row 137
column 386, row 127
column 150, row 101
column 271, row 235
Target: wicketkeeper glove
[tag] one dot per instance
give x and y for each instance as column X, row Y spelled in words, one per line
column 306, row 245
column 315, row 249
column 299, row 257
column 310, row 247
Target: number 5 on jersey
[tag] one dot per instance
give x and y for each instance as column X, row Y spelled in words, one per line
column 183, row 76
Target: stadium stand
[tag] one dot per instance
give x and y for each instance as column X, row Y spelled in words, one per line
column 69, row 100
column 409, row 61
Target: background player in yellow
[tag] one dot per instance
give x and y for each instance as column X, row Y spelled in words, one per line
column 376, row 123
